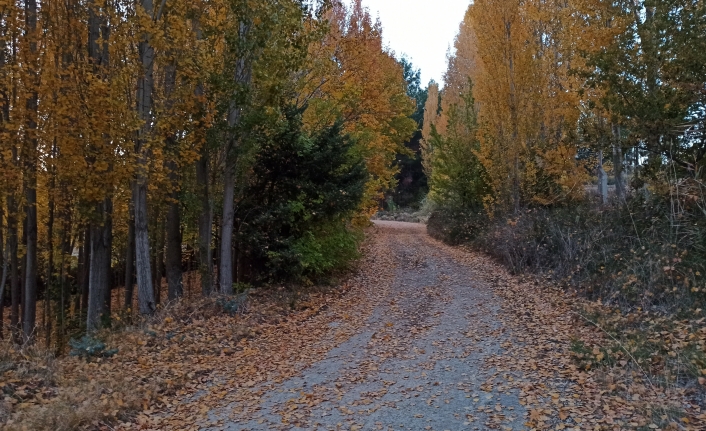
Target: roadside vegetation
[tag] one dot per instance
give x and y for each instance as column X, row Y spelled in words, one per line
column 577, row 160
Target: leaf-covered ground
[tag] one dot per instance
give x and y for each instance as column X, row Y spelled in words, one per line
column 428, row 337
column 422, row 337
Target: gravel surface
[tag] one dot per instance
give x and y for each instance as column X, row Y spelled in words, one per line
column 421, row 361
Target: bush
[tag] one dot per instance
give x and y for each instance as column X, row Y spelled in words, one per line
column 328, row 248
column 88, row 348
column 291, row 219
column 648, row 251
column 455, row 226
column 235, row 305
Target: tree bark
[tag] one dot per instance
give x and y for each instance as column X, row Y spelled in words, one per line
column 618, row 163
column 145, row 85
column 158, row 258
column 203, row 191
column 242, row 76
column 129, row 263
column 3, row 263
column 14, row 265
column 86, row 270
column 50, row 259
column 173, row 220
column 99, row 274
column 205, row 224
column 602, row 179
column 145, row 292
column 225, row 268
column 29, row 312
column 174, row 275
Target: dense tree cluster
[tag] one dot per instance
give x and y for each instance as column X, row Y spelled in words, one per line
column 569, row 138
column 243, row 139
column 540, row 95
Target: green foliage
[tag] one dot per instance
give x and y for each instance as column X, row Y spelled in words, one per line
column 89, row 348
column 302, row 185
column 458, row 178
column 234, row 305
column 652, row 79
column 411, row 181
column 327, row 248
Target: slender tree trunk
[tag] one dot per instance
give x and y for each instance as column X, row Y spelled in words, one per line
column 602, row 179
column 205, row 225
column 50, row 258
column 29, row 312
column 129, row 263
column 4, row 119
column 203, row 191
column 99, row 273
column 14, row 265
column 85, row 276
column 158, row 263
column 618, row 163
column 225, row 269
column 66, row 249
column 4, row 113
column 145, row 291
column 243, row 74
column 4, row 258
column 174, row 275
column 173, row 219
column 145, row 84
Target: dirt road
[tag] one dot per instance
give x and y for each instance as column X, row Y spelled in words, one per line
column 425, row 337
column 417, row 362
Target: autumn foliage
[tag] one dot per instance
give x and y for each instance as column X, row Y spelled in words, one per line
column 143, row 139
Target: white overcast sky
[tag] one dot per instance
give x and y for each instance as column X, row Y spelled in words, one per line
column 422, row 29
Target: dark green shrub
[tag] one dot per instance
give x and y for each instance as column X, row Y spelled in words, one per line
column 291, row 220
column 327, row 248
column 88, row 348
column 235, row 305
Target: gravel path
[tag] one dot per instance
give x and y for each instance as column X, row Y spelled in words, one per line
column 423, row 360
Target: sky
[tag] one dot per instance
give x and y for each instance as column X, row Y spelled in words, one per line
column 422, row 29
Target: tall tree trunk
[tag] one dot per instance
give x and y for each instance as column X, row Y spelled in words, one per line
column 618, row 163
column 129, row 262
column 145, row 84
column 14, row 264
column 173, row 219
column 99, row 273
column 602, row 179
column 158, row 263
column 86, row 270
column 205, row 224
column 50, row 258
column 243, row 74
column 4, row 113
column 4, row 258
column 66, row 249
column 225, row 268
column 29, row 305
column 203, row 191
column 174, row 275
column 4, row 119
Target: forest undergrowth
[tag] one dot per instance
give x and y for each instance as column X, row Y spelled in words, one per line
column 635, row 268
column 166, row 354
column 129, row 375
